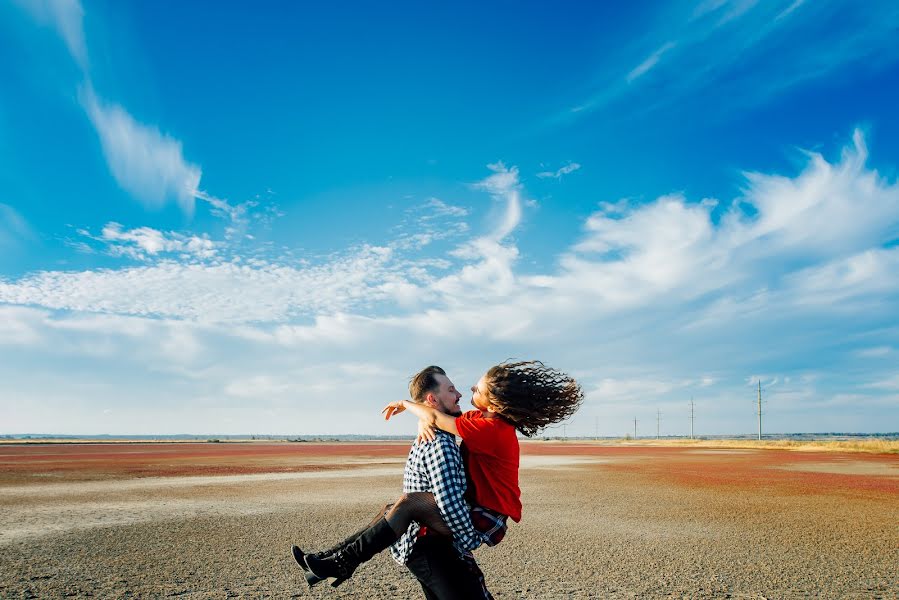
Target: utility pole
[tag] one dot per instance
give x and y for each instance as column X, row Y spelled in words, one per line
column 760, row 409
column 635, row 428
column 691, row 417
column 658, row 423
column 597, row 427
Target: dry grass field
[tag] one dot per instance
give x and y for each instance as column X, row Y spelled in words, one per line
column 195, row 520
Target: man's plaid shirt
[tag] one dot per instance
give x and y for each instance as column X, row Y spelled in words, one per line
column 436, row 467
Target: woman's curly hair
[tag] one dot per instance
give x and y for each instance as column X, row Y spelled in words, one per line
column 530, row 395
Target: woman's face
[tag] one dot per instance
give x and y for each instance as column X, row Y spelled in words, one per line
column 479, row 394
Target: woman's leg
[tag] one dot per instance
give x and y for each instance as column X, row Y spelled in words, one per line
column 343, row 560
column 416, row 506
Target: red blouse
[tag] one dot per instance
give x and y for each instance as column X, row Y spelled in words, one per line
column 491, row 455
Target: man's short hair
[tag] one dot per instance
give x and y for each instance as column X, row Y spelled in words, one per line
column 423, row 382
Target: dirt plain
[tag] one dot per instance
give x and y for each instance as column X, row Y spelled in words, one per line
column 206, row 520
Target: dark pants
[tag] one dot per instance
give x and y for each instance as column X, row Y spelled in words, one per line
column 443, row 574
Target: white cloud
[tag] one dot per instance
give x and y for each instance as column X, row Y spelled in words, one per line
column 240, row 216
column 745, row 51
column 145, row 162
column 888, row 383
column 655, row 302
column 874, row 352
column 490, row 273
column 569, row 168
column 225, row 292
column 620, row 391
column 869, row 273
column 810, row 236
column 505, row 188
column 789, row 10
column 259, row 387
column 19, row 326
column 651, row 61
column 440, row 208
column 13, row 226
column 626, row 259
column 67, row 16
column 432, row 221
column 143, row 243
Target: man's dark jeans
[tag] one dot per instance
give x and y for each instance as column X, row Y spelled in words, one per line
column 441, row 571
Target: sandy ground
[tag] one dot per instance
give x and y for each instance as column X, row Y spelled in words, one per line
column 217, row 520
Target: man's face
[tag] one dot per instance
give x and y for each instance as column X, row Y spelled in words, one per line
column 446, row 399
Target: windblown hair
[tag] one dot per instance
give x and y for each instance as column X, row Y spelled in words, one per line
column 531, row 396
column 424, row 382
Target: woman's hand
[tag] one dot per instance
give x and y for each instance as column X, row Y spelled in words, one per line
column 426, row 433
column 394, row 408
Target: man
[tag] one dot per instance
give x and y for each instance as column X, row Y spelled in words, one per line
column 445, row 567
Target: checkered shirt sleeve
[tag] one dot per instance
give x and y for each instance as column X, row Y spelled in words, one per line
column 437, row 467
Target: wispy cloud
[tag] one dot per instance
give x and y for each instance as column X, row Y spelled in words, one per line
column 875, row 352
column 67, row 17
column 144, row 161
column 889, row 383
column 429, row 222
column 503, row 185
column 557, row 174
column 750, row 46
column 651, row 61
column 439, row 208
column 13, row 226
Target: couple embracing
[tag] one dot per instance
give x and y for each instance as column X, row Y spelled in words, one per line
column 455, row 499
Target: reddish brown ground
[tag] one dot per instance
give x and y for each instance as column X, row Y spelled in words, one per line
column 617, row 522
column 739, row 468
column 782, row 469
column 20, row 463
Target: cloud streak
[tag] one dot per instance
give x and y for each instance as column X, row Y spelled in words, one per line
column 145, row 162
column 651, row 61
column 557, row 174
column 67, row 17
column 13, row 226
column 746, row 49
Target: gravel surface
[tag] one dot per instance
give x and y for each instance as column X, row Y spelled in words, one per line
column 647, row 524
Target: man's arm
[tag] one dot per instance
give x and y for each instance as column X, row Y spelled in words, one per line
column 444, row 467
column 431, row 416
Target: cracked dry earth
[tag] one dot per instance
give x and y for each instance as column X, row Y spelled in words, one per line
column 217, row 520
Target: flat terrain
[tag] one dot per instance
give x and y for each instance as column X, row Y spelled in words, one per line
column 206, row 520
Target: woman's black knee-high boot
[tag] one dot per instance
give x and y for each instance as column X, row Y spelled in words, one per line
column 300, row 557
column 341, row 562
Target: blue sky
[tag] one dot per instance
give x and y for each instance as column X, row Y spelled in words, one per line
column 264, row 220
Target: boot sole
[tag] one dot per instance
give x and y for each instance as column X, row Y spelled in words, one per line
column 311, row 578
column 300, row 557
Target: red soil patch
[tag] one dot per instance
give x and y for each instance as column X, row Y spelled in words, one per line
column 754, row 469
column 74, row 461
